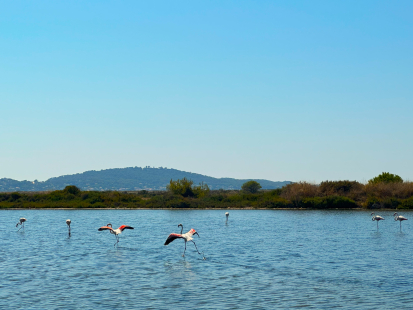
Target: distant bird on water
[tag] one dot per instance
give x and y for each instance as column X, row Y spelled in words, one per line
column 399, row 218
column 68, row 222
column 376, row 218
column 21, row 223
column 226, row 214
column 116, row 232
column 187, row 237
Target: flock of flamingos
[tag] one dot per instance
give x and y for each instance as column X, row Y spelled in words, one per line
column 188, row 236
column 396, row 218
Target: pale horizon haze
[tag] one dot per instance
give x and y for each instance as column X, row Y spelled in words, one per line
column 276, row 90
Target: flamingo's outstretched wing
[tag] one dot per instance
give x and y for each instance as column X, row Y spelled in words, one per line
column 105, row 228
column 171, row 238
column 125, row 227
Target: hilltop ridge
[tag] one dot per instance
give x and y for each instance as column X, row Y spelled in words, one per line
column 129, row 179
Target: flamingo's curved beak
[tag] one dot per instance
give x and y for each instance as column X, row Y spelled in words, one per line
column 197, row 234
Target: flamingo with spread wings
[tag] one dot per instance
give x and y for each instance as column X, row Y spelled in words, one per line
column 116, row 232
column 21, row 223
column 187, row 237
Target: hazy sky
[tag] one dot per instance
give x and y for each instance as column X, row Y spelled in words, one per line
column 278, row 90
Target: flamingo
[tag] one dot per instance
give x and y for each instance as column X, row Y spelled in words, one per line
column 187, row 237
column 376, row 218
column 21, row 222
column 68, row 222
column 116, row 232
column 226, row 214
column 399, row 218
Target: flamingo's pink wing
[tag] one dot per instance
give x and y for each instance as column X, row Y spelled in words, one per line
column 125, row 227
column 192, row 231
column 171, row 238
column 105, row 228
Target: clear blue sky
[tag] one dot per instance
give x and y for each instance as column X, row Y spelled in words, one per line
column 278, row 90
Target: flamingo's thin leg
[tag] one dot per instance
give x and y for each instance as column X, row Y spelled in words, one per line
column 195, row 246
column 198, row 251
column 183, row 255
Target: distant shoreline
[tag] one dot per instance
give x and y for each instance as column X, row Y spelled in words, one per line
column 183, row 195
column 208, row 209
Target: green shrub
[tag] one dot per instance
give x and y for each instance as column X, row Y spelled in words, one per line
column 251, row 187
column 178, row 204
column 328, row 202
column 372, row 203
column 275, row 204
column 386, row 177
column 391, row 203
column 339, row 187
column 71, row 189
column 185, row 188
column 407, row 204
column 14, row 196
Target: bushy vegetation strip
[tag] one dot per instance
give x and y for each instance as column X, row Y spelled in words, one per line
column 183, row 194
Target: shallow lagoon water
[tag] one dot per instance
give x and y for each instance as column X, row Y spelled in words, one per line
column 261, row 259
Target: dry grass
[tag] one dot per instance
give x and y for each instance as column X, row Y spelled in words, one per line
column 389, row 190
column 295, row 192
column 356, row 191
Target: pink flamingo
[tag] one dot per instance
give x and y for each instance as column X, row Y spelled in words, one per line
column 68, row 222
column 399, row 218
column 187, row 237
column 376, row 218
column 116, row 232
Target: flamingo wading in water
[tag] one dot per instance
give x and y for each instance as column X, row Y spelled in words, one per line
column 21, row 223
column 68, row 222
column 226, row 214
column 399, row 218
column 376, row 218
column 187, row 237
column 116, row 232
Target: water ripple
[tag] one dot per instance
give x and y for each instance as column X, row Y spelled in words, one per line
column 259, row 259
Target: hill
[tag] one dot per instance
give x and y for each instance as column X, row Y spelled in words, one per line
column 128, row 179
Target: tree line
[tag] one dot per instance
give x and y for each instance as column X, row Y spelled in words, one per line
column 384, row 191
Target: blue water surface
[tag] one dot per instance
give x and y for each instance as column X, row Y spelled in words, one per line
column 260, row 259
